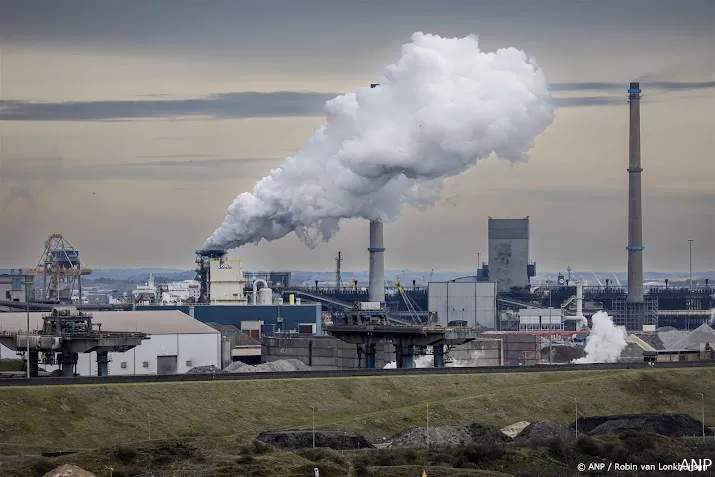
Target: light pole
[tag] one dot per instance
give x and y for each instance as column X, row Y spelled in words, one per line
column 313, row 408
column 427, row 433
column 690, row 283
column 576, row 402
column 702, row 409
column 27, row 284
column 551, row 338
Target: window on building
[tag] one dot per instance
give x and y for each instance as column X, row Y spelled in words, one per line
column 124, row 365
column 145, row 364
column 188, row 363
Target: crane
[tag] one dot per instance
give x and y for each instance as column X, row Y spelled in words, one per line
column 408, row 303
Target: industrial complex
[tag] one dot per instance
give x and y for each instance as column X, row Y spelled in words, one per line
column 498, row 316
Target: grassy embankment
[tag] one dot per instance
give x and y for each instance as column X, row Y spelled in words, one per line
column 35, row 419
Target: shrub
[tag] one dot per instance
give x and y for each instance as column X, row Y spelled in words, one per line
column 126, row 454
column 589, row 446
column 556, row 446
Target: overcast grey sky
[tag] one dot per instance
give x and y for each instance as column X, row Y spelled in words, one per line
column 131, row 126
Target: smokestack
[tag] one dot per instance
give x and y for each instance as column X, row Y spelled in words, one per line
column 635, row 219
column 377, row 262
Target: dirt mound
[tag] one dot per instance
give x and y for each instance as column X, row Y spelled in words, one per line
column 69, row 471
column 448, row 436
column 542, row 430
column 338, row 440
column 211, row 369
column 670, row 425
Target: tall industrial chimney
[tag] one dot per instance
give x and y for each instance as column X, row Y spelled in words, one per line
column 377, row 262
column 635, row 219
column 376, row 287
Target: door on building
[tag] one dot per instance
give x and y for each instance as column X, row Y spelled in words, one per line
column 166, row 364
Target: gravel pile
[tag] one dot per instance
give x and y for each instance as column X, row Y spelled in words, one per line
column 273, row 366
column 448, row 435
column 514, row 429
column 69, row 471
column 338, row 440
column 542, row 430
column 438, row 436
column 233, row 367
column 211, row 369
column 701, row 334
column 669, row 425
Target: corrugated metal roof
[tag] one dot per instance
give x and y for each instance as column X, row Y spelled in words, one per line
column 159, row 322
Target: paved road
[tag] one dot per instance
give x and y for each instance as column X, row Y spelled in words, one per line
column 94, row 380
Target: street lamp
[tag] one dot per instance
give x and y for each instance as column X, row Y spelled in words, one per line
column 690, row 244
column 313, row 408
column 702, row 408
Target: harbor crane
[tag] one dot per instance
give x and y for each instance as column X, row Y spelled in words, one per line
column 408, row 303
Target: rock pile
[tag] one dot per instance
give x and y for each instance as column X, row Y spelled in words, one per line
column 448, row 436
column 211, row 369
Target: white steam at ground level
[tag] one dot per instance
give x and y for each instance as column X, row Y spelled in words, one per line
column 427, row 361
column 606, row 341
column 438, row 110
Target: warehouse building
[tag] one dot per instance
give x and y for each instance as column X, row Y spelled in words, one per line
column 463, row 300
column 176, row 342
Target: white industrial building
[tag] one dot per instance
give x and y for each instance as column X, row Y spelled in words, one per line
column 540, row 319
column 176, row 343
column 464, row 300
column 227, row 282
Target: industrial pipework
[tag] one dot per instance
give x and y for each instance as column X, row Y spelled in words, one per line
column 579, row 307
column 376, row 287
column 635, row 219
column 254, row 298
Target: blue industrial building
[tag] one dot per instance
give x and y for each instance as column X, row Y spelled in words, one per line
column 284, row 317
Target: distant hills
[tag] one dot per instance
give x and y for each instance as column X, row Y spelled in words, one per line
column 138, row 275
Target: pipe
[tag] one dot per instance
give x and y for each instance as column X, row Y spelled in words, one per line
column 254, row 299
column 579, row 307
column 635, row 219
column 376, row 248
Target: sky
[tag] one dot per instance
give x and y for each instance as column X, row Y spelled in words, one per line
column 129, row 127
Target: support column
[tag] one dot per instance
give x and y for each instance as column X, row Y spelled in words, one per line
column 370, row 356
column 404, row 355
column 34, row 364
column 67, row 362
column 438, row 355
column 102, row 363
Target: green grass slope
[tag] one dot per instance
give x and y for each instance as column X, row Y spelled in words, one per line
column 36, row 419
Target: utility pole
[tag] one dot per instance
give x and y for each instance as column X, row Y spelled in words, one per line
column 690, row 283
column 551, row 337
column 338, row 276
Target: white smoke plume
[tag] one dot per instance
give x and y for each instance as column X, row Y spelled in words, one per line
column 441, row 107
column 605, row 342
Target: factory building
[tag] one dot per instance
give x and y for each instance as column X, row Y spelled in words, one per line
column 12, row 286
column 540, row 319
column 509, row 263
column 463, row 300
column 176, row 342
column 227, row 282
column 284, row 317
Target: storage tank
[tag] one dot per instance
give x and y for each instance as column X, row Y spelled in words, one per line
column 265, row 296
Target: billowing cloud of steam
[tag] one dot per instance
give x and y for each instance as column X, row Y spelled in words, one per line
column 444, row 105
column 605, row 342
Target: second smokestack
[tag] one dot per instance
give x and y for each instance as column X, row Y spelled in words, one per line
column 377, row 262
column 635, row 219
